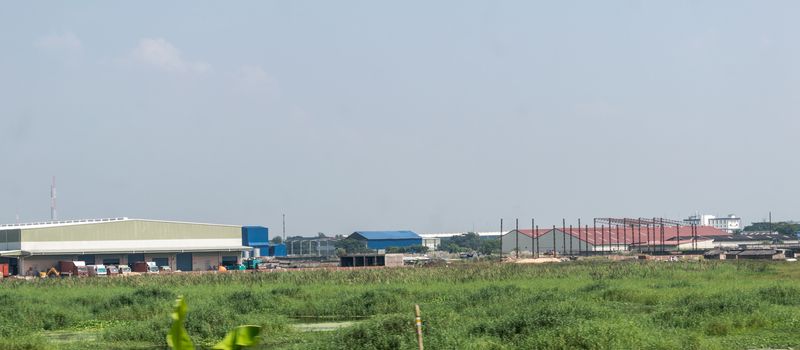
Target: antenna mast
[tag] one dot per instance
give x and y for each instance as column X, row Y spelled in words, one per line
column 53, row 214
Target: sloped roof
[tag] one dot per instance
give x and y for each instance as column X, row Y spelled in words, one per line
column 714, row 252
column 613, row 235
column 379, row 235
column 758, row 252
column 46, row 224
column 741, row 239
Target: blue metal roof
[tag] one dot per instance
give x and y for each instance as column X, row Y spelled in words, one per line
column 377, row 235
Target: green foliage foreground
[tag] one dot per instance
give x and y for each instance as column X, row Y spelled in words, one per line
column 584, row 305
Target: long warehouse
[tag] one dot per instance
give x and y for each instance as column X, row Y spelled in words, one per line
column 29, row 248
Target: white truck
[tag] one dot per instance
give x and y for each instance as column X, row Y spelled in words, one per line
column 97, row 270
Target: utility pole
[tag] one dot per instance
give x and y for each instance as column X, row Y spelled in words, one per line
column 516, row 234
column 53, row 214
column 770, row 222
column 501, row 238
column 284, row 227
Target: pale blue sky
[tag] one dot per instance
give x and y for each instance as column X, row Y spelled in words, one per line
column 430, row 116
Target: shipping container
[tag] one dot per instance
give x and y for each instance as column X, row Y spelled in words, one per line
column 145, row 267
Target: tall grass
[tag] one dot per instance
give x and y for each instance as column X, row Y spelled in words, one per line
column 592, row 305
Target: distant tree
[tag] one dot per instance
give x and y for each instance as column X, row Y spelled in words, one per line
column 452, row 247
column 415, row 249
column 490, row 246
column 470, row 240
column 321, row 235
column 782, row 227
column 277, row 240
column 351, row 246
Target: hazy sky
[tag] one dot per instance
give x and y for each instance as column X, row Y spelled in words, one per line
column 422, row 115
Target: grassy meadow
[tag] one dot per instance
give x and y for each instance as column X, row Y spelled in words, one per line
column 577, row 305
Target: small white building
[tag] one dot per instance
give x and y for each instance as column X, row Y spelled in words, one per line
column 729, row 224
column 741, row 241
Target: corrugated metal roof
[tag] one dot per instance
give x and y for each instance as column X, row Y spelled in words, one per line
column 131, row 251
column 758, row 252
column 378, row 235
column 58, row 223
column 94, row 221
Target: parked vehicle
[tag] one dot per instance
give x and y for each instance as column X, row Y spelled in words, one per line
column 235, row 267
column 4, row 269
column 73, row 268
column 257, row 264
column 113, row 270
column 51, row 273
column 165, row 269
column 145, row 267
column 97, row 270
column 124, row 269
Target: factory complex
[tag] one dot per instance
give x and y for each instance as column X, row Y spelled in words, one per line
column 36, row 248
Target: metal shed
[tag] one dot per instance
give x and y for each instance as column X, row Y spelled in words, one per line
column 387, row 239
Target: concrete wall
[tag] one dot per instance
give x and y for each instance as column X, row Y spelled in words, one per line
column 562, row 243
column 528, row 245
column 545, row 241
column 612, row 247
column 393, row 260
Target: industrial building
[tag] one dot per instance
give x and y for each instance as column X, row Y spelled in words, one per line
column 256, row 237
column 588, row 240
column 184, row 246
column 387, row 239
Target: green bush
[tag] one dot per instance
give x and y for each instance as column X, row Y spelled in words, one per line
column 590, row 305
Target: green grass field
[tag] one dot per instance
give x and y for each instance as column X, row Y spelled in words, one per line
column 583, row 305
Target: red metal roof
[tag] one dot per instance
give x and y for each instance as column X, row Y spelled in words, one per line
column 637, row 235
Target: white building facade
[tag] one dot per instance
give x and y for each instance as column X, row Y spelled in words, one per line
column 729, row 224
